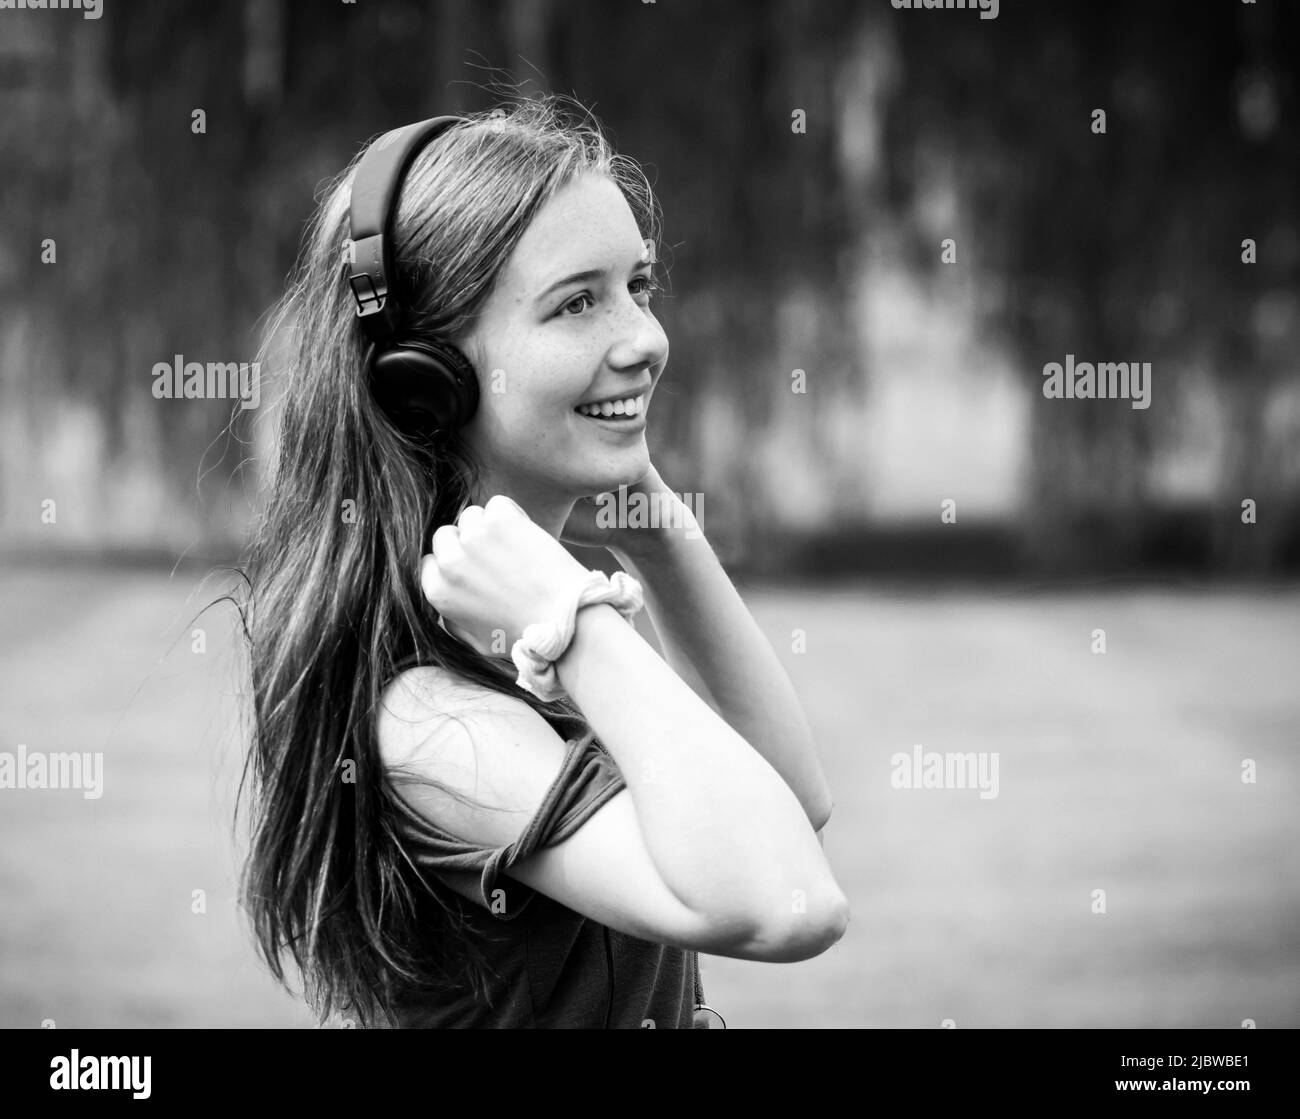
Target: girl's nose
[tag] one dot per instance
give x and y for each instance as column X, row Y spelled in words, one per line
column 641, row 341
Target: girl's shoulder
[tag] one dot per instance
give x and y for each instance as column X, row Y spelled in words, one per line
column 414, row 705
column 426, row 700
column 481, row 766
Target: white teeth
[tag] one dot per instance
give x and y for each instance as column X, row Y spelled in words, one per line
column 629, row 406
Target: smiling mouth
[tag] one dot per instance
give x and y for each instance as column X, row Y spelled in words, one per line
column 625, row 411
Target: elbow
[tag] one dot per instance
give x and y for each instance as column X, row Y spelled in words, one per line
column 806, row 932
column 810, row 938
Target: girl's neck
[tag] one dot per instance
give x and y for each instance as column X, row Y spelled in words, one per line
column 547, row 509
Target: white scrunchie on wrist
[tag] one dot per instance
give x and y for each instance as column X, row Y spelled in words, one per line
column 543, row 643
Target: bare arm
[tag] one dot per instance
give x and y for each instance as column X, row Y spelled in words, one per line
column 705, row 626
column 724, row 829
column 708, row 847
column 502, row 757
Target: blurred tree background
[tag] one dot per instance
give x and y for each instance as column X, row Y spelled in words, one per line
column 811, row 160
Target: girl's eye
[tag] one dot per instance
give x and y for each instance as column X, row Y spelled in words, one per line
column 646, row 286
column 575, row 300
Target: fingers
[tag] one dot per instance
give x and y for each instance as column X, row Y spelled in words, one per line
column 502, row 504
column 446, row 545
column 432, row 584
column 446, row 559
column 472, row 515
column 469, row 517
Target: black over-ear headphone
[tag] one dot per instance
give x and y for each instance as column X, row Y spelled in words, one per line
column 427, row 388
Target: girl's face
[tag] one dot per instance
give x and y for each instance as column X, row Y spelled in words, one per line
column 568, row 324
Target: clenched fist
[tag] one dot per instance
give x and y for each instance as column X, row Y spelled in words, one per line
column 495, row 572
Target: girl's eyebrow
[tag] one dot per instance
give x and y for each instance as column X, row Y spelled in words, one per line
column 590, row 274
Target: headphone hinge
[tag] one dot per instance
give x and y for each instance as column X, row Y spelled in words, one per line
column 369, row 302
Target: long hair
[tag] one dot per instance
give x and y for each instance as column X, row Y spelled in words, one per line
column 335, row 609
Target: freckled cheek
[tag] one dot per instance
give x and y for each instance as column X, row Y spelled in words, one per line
column 539, row 384
column 535, row 417
column 567, row 376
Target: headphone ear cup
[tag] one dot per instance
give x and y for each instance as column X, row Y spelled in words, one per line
column 425, row 388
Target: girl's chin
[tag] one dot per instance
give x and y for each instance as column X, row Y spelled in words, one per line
column 590, row 487
column 629, row 470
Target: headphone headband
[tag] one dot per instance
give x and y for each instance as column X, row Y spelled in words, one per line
column 375, row 187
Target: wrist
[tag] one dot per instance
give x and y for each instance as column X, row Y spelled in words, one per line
column 652, row 536
column 558, row 599
column 592, row 623
column 537, row 652
column 651, row 520
column 640, row 546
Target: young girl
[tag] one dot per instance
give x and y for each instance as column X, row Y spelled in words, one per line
column 480, row 797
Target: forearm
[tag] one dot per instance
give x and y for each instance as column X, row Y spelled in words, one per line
column 726, row 833
column 701, row 618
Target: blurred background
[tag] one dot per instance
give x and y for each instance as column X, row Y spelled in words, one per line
column 904, row 214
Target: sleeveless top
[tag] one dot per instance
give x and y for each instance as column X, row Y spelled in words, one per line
column 550, row 967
